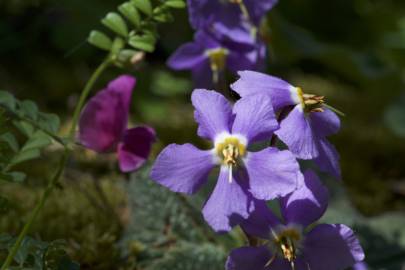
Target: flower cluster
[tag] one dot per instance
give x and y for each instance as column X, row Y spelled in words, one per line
column 226, row 38
column 103, row 125
column 269, row 108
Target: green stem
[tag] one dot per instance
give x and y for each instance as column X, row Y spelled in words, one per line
column 85, row 93
column 64, row 159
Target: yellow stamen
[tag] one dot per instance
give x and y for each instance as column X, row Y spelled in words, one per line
column 230, row 150
column 217, row 58
column 310, row 102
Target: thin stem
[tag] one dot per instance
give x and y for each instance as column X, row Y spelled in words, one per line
column 37, row 209
column 85, row 93
column 54, row 180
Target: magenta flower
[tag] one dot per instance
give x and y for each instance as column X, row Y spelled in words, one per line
column 103, row 125
column 309, row 122
column 289, row 244
column 244, row 175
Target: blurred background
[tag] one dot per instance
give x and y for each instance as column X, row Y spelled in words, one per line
column 351, row 51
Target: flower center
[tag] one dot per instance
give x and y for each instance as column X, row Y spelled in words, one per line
column 310, row 102
column 217, row 58
column 230, row 150
column 286, row 241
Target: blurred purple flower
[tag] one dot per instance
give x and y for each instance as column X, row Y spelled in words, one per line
column 208, row 13
column 103, row 125
column 305, row 128
column 207, row 55
column 360, row 266
column 326, row 246
column 266, row 174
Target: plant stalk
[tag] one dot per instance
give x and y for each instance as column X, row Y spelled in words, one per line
column 51, row 185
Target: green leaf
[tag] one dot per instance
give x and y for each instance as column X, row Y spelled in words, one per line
column 10, row 140
column 395, row 116
column 49, row 122
column 29, row 109
column 116, row 23
column 161, row 14
column 24, row 156
column 131, row 13
column 143, row 5
column 7, row 100
column 24, row 127
column 38, row 140
column 175, row 4
column 16, row 177
column 99, row 40
column 145, row 43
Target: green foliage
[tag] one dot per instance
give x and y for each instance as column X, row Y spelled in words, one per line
column 395, row 116
column 134, row 26
column 190, row 256
column 37, row 128
column 38, row 255
column 175, row 236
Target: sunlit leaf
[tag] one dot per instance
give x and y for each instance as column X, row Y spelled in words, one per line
column 175, row 3
column 143, row 5
column 99, row 40
column 131, row 13
column 116, row 23
column 145, row 43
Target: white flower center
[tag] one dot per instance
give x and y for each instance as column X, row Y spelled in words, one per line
column 229, row 150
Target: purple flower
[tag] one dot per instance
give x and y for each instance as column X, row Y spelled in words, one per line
column 360, row 266
column 206, row 13
column 289, row 244
column 207, row 56
column 244, row 175
column 305, row 128
column 103, row 125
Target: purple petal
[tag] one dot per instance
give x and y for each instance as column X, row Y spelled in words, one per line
column 296, row 132
column 228, row 204
column 182, row 168
column 258, row 9
column 135, row 148
column 260, row 221
column 324, row 123
column 187, row 56
column 104, row 118
column 251, row 82
column 255, row 118
column 212, row 112
column 308, row 203
column 332, row 247
column 360, row 266
column 328, row 159
column 248, row 258
column 202, row 76
column 206, row 40
column 272, row 173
